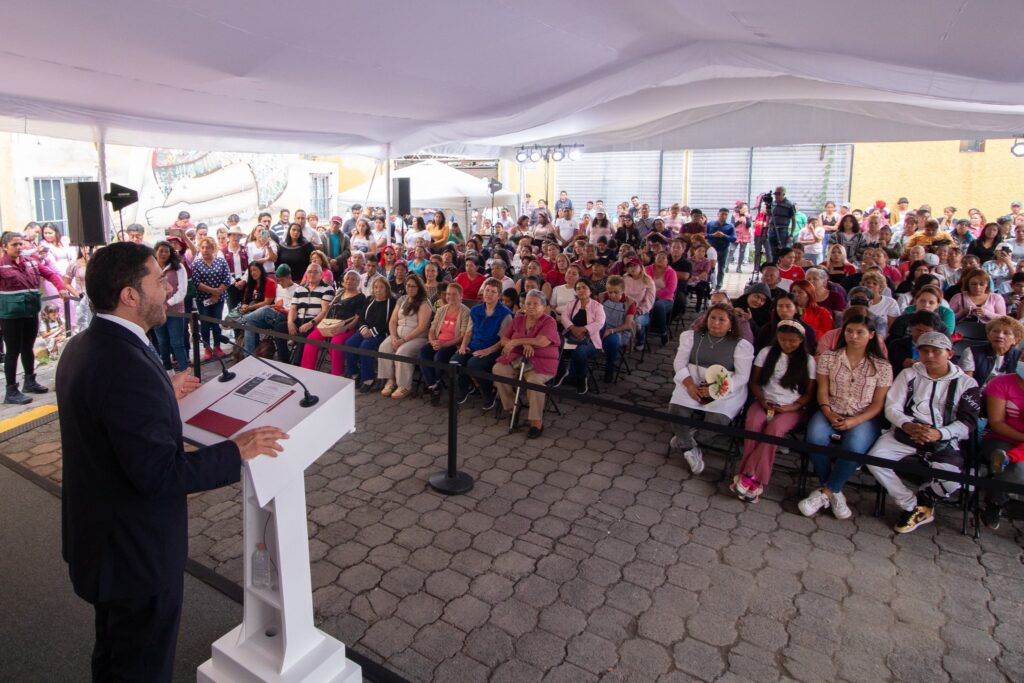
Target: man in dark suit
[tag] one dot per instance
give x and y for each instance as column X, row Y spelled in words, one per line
column 126, row 473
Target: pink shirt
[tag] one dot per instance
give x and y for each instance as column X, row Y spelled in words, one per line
column 544, row 360
column 669, row 279
column 1007, row 388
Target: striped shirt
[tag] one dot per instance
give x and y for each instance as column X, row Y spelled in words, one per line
column 306, row 301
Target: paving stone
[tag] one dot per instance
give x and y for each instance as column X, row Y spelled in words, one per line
column 569, row 673
column 537, row 591
column 515, row 671
column 389, row 637
column 712, row 628
column 515, row 617
column 413, row 665
column 592, row 652
column 420, row 609
column 461, row 668
column 699, row 659
column 467, row 612
column 540, row 649
column 489, row 645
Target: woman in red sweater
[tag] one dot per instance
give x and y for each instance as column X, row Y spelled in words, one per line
column 818, row 317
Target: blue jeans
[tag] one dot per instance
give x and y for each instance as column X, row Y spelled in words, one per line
column 265, row 318
column 723, row 265
column 579, row 358
column 171, row 338
column 641, row 320
column 660, row 314
column 211, row 331
column 612, row 345
column 834, row 476
column 431, row 375
column 365, row 365
column 481, row 363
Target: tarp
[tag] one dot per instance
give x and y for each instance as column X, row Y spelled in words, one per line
column 387, row 78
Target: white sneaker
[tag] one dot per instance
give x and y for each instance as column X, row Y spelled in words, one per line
column 695, row 459
column 810, row 505
column 839, row 507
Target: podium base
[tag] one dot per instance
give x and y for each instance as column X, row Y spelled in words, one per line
column 232, row 663
column 460, row 483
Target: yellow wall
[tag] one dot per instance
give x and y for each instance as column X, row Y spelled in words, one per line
column 534, row 181
column 938, row 173
column 352, row 170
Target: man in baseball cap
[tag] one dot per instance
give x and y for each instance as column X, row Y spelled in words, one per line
column 932, row 406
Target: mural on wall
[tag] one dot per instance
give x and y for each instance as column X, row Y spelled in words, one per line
column 213, row 185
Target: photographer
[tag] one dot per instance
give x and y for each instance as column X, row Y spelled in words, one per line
column 781, row 222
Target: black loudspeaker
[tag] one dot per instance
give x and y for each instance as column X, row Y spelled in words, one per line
column 85, row 214
column 401, row 196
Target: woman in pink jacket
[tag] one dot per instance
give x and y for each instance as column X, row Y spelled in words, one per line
column 665, row 283
column 641, row 289
column 582, row 320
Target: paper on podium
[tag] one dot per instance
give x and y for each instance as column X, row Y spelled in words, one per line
column 311, row 431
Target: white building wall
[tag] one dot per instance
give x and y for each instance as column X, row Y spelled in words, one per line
column 210, row 186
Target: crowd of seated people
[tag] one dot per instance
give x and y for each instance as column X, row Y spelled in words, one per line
column 848, row 324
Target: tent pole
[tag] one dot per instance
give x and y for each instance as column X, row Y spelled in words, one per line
column 387, row 187
column 100, row 140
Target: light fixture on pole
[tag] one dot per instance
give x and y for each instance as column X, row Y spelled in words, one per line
column 557, row 154
column 521, row 155
column 535, row 154
column 575, row 153
column 1017, row 149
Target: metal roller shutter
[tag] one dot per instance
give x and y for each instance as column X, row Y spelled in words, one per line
column 811, row 174
column 673, row 178
column 718, row 177
column 611, row 176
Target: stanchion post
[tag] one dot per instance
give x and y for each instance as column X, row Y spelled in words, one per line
column 451, row 481
column 67, row 315
column 196, row 369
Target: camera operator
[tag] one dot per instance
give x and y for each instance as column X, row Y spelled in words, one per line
column 781, row 222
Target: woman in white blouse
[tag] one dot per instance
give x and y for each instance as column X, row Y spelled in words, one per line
column 720, row 397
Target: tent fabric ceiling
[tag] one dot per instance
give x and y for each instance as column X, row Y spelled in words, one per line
column 382, row 77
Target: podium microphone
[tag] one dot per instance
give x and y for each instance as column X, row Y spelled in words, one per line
column 225, row 374
column 308, row 400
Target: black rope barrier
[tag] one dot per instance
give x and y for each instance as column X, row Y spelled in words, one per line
column 905, row 466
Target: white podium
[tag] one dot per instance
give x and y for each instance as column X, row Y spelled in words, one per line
column 277, row 640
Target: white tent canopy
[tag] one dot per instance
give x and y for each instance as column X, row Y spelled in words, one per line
column 433, row 185
column 385, row 78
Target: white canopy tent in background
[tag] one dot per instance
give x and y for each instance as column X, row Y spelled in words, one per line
column 433, row 185
column 650, row 74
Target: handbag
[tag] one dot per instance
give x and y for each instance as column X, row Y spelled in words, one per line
column 265, row 349
column 20, row 304
column 330, row 327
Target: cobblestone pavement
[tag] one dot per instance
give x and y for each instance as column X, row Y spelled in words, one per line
column 589, row 554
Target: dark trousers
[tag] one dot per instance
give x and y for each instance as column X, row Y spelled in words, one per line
column 431, row 376
column 481, row 363
column 723, row 264
column 136, row 638
column 19, row 335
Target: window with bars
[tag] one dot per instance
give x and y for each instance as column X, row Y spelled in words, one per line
column 320, row 196
column 50, row 206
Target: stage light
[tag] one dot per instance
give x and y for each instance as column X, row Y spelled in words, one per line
column 521, row 155
column 535, row 155
column 557, row 154
column 1017, row 149
column 575, row 154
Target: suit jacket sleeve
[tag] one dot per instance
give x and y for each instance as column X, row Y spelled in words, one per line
column 151, row 453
